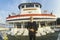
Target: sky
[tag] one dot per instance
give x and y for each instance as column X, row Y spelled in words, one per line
column 11, row 6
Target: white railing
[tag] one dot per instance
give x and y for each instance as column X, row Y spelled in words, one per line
column 4, row 29
column 24, row 31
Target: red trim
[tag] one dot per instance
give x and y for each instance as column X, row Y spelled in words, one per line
column 23, row 15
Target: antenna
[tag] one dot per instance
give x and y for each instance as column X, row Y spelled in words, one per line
column 13, row 14
column 45, row 11
column 52, row 12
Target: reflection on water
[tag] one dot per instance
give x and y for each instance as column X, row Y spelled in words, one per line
column 52, row 36
column 1, row 36
column 58, row 37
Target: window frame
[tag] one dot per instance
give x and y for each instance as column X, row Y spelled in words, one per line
column 22, row 6
column 29, row 5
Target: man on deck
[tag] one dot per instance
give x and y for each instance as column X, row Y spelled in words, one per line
column 32, row 27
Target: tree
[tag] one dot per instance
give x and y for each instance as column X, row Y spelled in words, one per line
column 58, row 21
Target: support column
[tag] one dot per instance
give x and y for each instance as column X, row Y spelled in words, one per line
column 22, row 25
column 46, row 23
column 39, row 25
column 15, row 26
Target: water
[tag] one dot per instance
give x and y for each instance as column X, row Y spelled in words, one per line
column 58, row 37
column 1, row 37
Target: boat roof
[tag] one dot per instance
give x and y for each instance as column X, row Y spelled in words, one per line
column 28, row 3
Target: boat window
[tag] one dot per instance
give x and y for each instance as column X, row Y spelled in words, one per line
column 42, row 24
column 26, row 25
column 18, row 25
column 30, row 5
column 22, row 6
column 37, row 5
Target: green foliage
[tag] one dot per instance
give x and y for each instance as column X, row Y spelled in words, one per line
column 58, row 21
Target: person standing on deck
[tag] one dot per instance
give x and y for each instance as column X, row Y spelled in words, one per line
column 32, row 28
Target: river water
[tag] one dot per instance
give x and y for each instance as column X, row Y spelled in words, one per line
column 1, row 36
column 58, row 37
